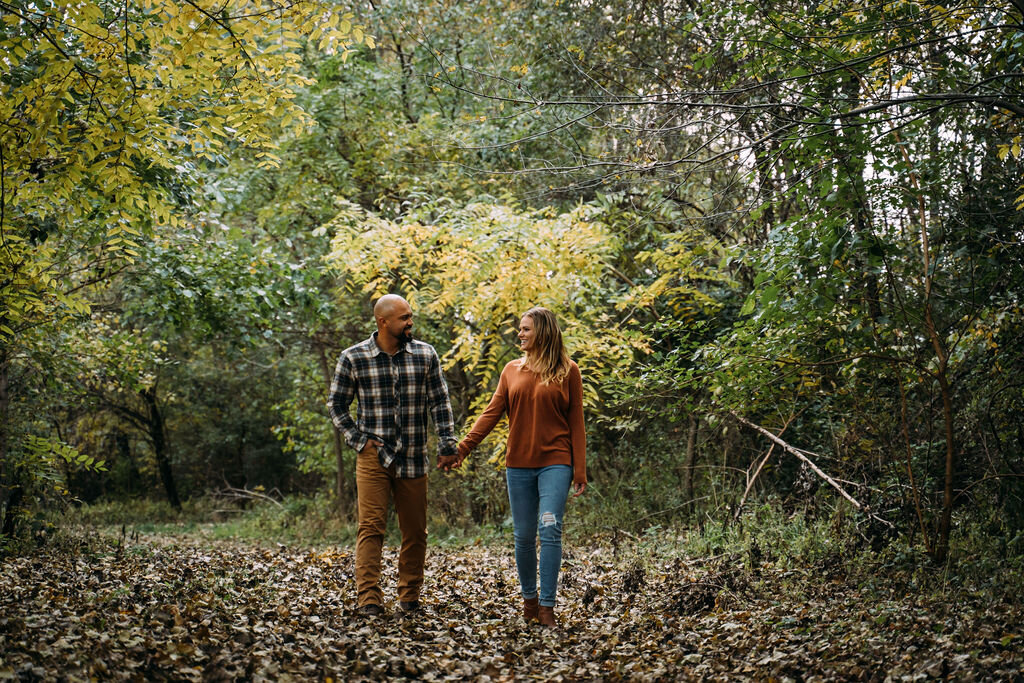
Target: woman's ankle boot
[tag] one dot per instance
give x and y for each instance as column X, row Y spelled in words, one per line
column 546, row 616
column 530, row 606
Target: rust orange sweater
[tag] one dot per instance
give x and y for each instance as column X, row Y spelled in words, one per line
column 545, row 422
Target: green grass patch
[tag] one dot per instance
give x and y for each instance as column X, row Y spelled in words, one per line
column 828, row 542
column 316, row 520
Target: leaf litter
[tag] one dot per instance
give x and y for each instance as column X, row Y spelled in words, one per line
column 193, row 609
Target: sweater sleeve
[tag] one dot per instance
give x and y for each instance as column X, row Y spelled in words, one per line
column 488, row 419
column 577, row 430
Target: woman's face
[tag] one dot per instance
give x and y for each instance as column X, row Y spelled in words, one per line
column 526, row 333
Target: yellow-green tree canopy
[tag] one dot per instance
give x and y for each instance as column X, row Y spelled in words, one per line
column 106, row 109
column 108, row 113
column 473, row 271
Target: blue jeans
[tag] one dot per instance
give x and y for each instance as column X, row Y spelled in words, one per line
column 537, row 498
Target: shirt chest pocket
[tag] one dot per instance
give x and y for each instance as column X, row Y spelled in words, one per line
column 409, row 381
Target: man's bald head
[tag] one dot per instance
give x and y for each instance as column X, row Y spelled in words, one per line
column 386, row 305
column 394, row 322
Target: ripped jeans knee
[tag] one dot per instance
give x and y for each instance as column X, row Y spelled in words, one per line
column 549, row 528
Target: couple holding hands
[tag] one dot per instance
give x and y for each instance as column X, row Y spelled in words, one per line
column 397, row 381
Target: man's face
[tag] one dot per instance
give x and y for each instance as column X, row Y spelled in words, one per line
column 399, row 322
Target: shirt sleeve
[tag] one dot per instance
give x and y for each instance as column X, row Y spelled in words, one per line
column 343, row 390
column 441, row 407
column 488, row 419
column 577, row 430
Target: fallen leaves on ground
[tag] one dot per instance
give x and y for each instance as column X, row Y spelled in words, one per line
column 187, row 608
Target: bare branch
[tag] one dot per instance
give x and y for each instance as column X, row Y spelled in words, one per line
column 802, row 455
column 948, row 97
column 245, row 494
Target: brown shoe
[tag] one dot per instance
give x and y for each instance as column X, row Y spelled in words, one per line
column 371, row 610
column 530, row 608
column 546, row 616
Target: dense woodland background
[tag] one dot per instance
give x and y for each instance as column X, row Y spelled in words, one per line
column 785, row 239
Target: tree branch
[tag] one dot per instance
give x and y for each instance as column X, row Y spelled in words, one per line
column 751, row 480
column 802, row 454
column 1019, row 4
column 227, row 27
column 949, row 97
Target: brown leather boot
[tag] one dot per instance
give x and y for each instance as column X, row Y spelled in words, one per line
column 530, row 608
column 546, row 616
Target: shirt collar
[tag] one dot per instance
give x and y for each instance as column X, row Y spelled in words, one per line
column 376, row 350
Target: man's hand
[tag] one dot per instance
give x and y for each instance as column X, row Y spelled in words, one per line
column 371, row 445
column 446, row 463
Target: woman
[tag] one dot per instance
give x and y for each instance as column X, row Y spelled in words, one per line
column 543, row 395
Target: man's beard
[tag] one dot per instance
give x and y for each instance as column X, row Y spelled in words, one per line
column 405, row 337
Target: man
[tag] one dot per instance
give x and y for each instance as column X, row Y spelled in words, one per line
column 397, row 380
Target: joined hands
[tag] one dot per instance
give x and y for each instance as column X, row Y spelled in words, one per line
column 447, row 463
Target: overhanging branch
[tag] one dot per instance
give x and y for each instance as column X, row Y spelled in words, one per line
column 947, row 97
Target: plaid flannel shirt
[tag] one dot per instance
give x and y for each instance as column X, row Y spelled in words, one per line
column 395, row 394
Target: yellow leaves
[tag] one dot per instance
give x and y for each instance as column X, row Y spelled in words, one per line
column 903, row 81
column 325, row 44
column 197, row 84
column 18, row 48
column 480, row 268
column 89, row 12
column 1011, row 148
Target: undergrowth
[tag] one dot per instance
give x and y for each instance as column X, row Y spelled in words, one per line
column 799, row 543
column 316, row 520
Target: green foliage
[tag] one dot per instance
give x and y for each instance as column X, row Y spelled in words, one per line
column 117, row 108
column 472, row 272
column 44, row 464
column 806, row 216
column 117, row 104
column 48, row 453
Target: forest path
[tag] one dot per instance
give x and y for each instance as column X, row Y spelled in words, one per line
column 165, row 607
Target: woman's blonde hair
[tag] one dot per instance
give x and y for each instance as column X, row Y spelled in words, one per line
column 548, row 358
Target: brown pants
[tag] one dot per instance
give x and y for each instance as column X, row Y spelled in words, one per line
column 375, row 485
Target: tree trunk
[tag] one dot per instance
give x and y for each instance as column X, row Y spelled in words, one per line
column 124, row 450
column 942, row 352
column 691, row 451
column 158, row 435
column 941, row 374
column 240, row 460
column 854, row 166
column 945, row 521
column 10, row 492
column 325, row 369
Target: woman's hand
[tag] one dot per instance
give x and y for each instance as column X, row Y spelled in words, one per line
column 460, row 454
column 579, row 487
